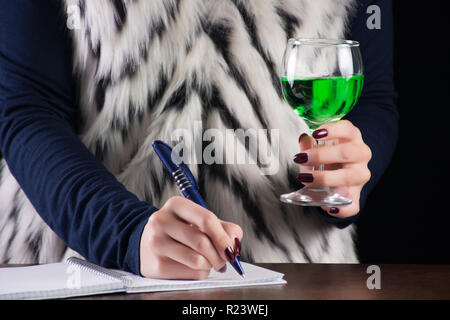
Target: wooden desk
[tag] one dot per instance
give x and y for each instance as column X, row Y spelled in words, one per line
column 326, row 281
column 322, row 282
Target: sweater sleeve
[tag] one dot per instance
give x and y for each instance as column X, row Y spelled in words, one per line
column 70, row 189
column 375, row 114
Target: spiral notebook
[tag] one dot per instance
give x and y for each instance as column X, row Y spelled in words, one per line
column 76, row 277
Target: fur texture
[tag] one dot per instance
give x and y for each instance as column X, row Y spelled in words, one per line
column 145, row 68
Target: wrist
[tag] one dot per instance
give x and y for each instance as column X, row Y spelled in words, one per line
column 132, row 262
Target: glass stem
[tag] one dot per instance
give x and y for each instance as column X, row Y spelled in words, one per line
column 319, row 144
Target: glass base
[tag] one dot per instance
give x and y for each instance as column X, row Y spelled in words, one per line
column 315, row 197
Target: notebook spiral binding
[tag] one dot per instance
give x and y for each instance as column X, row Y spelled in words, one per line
column 85, row 265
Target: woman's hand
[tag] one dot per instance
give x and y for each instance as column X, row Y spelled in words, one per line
column 183, row 240
column 345, row 159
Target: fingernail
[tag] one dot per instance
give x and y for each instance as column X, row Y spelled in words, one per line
column 334, row 210
column 305, row 177
column 301, row 158
column 237, row 245
column 301, row 136
column 223, row 269
column 319, row 134
column 230, row 254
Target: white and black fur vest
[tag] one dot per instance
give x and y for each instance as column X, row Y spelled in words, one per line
column 144, row 69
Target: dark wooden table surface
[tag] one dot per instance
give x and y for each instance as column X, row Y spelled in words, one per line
column 325, row 281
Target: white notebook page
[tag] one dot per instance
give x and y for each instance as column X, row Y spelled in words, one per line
column 55, row 280
column 254, row 275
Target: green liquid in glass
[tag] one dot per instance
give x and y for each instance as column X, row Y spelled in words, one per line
column 322, row 100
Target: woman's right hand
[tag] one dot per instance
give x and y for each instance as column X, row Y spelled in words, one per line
column 183, row 240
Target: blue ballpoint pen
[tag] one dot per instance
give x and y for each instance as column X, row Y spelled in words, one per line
column 185, row 181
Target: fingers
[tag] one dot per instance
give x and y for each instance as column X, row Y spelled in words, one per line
column 197, row 241
column 347, row 176
column 235, row 232
column 163, row 258
column 166, row 247
column 306, row 142
column 340, row 153
column 183, row 240
column 206, row 221
column 345, row 157
column 342, row 130
column 166, row 268
column 232, row 229
column 352, row 192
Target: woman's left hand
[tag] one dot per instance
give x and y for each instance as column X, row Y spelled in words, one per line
column 345, row 156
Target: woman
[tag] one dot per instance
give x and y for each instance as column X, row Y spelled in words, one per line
column 82, row 100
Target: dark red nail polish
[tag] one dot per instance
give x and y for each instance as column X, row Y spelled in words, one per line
column 319, row 134
column 230, row 254
column 334, row 210
column 237, row 245
column 223, row 269
column 301, row 158
column 305, row 177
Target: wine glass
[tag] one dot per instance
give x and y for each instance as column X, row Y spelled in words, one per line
column 321, row 80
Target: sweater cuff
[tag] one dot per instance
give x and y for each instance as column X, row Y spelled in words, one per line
column 133, row 259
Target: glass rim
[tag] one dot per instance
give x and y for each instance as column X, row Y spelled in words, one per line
column 323, row 42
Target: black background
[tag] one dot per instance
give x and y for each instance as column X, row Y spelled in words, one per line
column 407, row 216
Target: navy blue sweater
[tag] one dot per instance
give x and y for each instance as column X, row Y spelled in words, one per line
column 70, row 189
